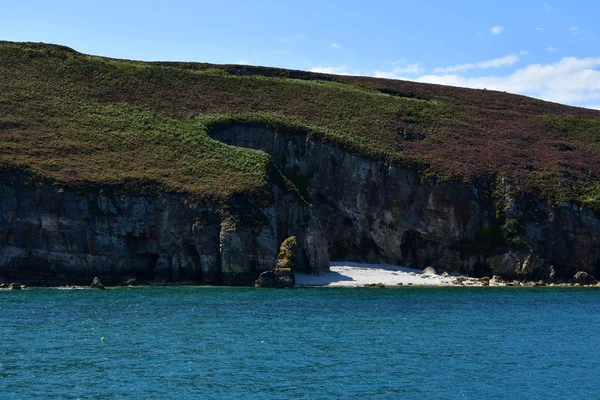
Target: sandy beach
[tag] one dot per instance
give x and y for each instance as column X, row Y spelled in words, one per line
column 350, row 274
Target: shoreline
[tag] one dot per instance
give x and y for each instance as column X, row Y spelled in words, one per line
column 357, row 275
column 346, row 274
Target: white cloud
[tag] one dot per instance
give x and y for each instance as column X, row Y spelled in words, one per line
column 551, row 49
column 410, row 69
column 244, row 62
column 593, row 106
column 524, row 52
column 548, row 7
column 570, row 80
column 496, row 30
column 340, row 70
column 508, row 60
column 574, row 30
column 336, row 46
column 539, row 29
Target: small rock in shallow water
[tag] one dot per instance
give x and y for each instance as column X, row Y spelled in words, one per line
column 96, row 284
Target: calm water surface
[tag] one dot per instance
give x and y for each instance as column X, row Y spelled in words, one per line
column 243, row 343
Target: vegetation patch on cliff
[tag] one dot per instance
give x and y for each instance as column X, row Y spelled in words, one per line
column 85, row 120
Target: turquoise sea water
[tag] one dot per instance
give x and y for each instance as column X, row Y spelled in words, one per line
column 245, row 343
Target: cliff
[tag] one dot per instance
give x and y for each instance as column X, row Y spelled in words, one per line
column 53, row 236
column 373, row 212
column 196, row 173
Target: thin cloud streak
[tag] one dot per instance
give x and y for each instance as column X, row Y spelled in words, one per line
column 571, row 80
column 410, row 69
column 286, row 39
column 508, row 60
column 339, row 70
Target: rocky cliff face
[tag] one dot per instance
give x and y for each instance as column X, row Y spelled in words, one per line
column 371, row 211
column 363, row 210
column 55, row 236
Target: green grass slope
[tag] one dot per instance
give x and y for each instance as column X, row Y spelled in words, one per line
column 90, row 121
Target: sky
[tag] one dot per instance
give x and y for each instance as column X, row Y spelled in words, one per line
column 544, row 49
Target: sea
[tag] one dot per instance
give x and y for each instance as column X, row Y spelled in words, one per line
column 302, row 343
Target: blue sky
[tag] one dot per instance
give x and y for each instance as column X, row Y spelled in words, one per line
column 545, row 49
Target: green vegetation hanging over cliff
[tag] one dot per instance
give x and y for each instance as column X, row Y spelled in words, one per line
column 91, row 121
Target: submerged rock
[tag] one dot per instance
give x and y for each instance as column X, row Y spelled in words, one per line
column 96, row 284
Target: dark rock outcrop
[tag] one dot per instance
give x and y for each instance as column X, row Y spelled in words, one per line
column 583, row 278
column 96, row 284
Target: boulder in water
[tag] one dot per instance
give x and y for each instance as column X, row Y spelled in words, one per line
column 429, row 271
column 15, row 286
column 96, row 284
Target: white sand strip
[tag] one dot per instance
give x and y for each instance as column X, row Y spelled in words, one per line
column 351, row 274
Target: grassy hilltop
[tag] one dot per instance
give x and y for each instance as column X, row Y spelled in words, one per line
column 90, row 121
